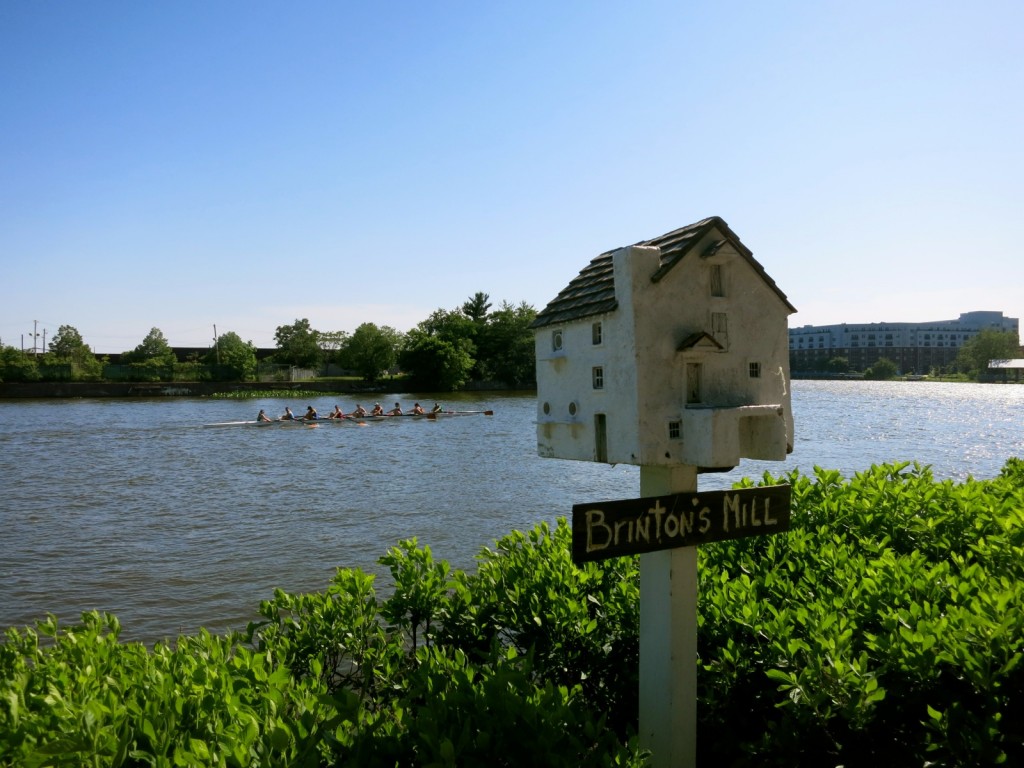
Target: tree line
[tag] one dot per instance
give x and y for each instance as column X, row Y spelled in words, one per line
column 444, row 352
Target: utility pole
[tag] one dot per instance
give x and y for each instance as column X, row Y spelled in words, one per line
column 216, row 343
column 35, row 336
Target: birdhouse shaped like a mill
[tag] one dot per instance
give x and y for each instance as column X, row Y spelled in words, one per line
column 672, row 351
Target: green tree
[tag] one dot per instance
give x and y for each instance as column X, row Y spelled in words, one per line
column 234, row 359
column 66, row 342
column 152, row 360
column 154, row 349
column 451, row 325
column 370, row 350
column 435, row 363
column 331, row 343
column 838, row 365
column 16, row 365
column 456, row 333
column 67, row 347
column 988, row 344
column 505, row 346
column 883, row 370
column 477, row 307
column 298, row 344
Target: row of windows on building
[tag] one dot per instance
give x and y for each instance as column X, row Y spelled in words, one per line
column 719, row 322
column 719, row 329
column 853, row 344
column 597, row 373
column 675, row 426
column 879, row 340
column 596, row 336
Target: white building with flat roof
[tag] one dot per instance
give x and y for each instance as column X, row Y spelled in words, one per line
column 914, row 347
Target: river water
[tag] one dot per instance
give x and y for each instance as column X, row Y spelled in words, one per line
column 133, row 507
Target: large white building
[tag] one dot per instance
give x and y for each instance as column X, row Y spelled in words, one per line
column 914, row 347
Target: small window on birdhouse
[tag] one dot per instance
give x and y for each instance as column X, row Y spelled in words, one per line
column 755, row 370
column 675, row 430
column 694, row 376
column 556, row 341
column 720, row 328
column 716, row 280
column 596, row 333
column 600, row 437
column 598, row 373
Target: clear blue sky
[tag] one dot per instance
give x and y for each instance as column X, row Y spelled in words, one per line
column 181, row 165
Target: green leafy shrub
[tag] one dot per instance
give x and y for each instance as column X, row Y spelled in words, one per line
column 884, row 628
column 84, row 698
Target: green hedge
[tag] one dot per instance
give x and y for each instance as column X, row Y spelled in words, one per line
column 884, row 629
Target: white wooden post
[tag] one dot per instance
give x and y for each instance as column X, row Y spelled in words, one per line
column 668, row 636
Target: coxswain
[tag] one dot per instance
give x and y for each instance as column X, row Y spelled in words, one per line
column 436, row 409
column 262, row 416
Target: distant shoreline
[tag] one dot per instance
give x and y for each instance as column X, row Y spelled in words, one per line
column 95, row 389
column 805, row 376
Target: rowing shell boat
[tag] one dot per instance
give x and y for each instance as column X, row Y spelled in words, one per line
column 273, row 423
column 360, row 421
column 415, row 416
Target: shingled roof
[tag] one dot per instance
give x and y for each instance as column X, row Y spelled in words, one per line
column 592, row 291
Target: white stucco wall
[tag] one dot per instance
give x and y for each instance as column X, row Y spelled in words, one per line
column 645, row 373
column 565, row 382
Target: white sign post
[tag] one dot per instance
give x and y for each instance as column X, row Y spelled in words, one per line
column 665, row 526
column 668, row 636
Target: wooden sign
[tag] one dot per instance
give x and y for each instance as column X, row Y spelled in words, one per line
column 605, row 529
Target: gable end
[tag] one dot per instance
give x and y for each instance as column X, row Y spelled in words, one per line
column 592, row 291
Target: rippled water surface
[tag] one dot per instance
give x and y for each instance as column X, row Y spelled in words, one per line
column 133, row 507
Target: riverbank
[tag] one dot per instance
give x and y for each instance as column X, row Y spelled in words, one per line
column 953, row 378
column 92, row 389
column 96, row 389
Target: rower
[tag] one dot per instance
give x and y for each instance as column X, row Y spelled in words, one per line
column 377, row 410
column 418, row 409
column 310, row 414
column 359, row 411
column 436, row 409
column 288, row 415
column 396, row 411
column 336, row 414
column 262, row 416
